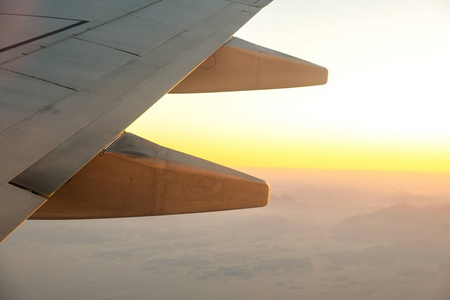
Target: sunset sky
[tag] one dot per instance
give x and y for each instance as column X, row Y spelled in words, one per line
column 385, row 106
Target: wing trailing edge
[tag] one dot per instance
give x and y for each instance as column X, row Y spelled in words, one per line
column 16, row 206
column 135, row 177
column 240, row 65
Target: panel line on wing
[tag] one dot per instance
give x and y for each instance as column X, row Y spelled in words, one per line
column 40, row 16
column 42, row 36
column 40, row 79
column 114, row 48
column 29, row 48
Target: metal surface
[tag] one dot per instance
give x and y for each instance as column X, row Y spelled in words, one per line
column 256, row 3
column 72, row 63
column 16, row 206
column 21, row 96
column 182, row 13
column 132, row 34
column 88, row 24
column 45, row 130
column 15, row 29
column 135, row 177
column 79, row 10
column 180, row 54
column 239, row 65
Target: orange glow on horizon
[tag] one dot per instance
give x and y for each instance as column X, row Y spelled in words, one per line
column 239, row 150
column 385, row 106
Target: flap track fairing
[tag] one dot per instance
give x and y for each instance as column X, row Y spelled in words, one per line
column 240, row 65
column 135, row 177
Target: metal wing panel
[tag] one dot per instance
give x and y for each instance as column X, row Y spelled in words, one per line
column 20, row 96
column 68, row 9
column 255, row 3
column 83, row 24
column 72, row 63
column 132, row 34
column 45, row 130
column 16, row 28
column 54, row 169
column 181, row 13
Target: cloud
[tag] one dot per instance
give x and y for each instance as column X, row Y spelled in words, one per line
column 284, row 265
column 59, row 232
column 227, row 272
column 397, row 252
column 398, row 222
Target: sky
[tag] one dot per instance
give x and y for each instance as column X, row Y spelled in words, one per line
column 385, row 106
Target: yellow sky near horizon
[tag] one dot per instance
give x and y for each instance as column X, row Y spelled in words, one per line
column 385, row 106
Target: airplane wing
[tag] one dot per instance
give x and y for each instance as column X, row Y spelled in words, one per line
column 75, row 74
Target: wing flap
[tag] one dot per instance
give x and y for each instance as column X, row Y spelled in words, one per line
column 134, row 177
column 239, row 66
